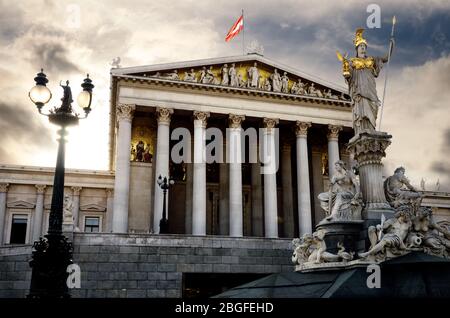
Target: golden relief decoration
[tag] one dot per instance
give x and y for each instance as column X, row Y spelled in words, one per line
column 142, row 141
column 250, row 75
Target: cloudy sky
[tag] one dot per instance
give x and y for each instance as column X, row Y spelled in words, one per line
column 70, row 38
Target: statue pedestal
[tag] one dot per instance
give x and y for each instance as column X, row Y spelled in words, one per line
column 67, row 229
column 345, row 232
column 368, row 149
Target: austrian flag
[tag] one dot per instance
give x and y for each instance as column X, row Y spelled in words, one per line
column 235, row 29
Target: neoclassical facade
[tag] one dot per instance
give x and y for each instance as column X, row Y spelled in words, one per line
column 304, row 121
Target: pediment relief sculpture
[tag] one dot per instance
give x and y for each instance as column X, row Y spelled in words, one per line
column 251, row 75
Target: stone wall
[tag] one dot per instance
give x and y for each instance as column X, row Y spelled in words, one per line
column 119, row 265
column 144, row 265
column 15, row 271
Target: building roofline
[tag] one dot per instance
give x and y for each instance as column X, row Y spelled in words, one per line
column 13, row 167
column 222, row 60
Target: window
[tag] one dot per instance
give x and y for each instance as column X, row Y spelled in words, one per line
column 18, row 229
column 92, row 224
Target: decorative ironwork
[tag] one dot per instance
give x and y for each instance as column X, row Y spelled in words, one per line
column 53, row 253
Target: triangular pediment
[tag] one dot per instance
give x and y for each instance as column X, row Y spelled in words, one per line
column 92, row 208
column 20, row 204
column 269, row 76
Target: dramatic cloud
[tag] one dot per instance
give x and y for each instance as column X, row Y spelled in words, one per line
column 21, row 135
column 71, row 38
column 416, row 114
column 54, row 56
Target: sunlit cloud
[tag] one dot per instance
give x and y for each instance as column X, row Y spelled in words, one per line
column 71, row 38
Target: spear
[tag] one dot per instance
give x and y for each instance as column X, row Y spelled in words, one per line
column 387, row 70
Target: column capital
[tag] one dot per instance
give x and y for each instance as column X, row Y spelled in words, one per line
column 235, row 121
column 109, row 192
column 40, row 188
column 333, row 132
column 125, row 112
column 76, row 190
column 301, row 128
column 4, row 187
column 202, row 116
column 163, row 115
column 270, row 123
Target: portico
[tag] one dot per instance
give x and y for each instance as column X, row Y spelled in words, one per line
column 222, row 197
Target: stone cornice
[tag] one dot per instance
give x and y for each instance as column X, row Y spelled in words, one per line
column 234, row 90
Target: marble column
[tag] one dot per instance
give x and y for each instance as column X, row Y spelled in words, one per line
column 122, row 180
column 257, row 196
column 303, row 190
column 109, row 209
column 368, row 149
column 235, row 154
column 270, row 178
column 317, row 175
column 224, row 189
column 3, row 191
column 76, row 206
column 188, row 209
column 199, row 178
column 162, row 164
column 38, row 212
column 333, row 147
column 286, row 182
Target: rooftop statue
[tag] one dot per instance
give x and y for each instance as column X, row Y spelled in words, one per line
column 234, row 82
column 225, row 77
column 253, row 76
column 360, row 73
column 190, row 76
column 172, row 75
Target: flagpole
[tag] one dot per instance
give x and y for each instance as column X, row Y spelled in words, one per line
column 387, row 71
column 243, row 33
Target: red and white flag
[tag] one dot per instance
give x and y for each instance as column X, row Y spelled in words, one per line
column 235, row 29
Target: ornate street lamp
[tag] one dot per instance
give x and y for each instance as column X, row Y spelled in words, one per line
column 53, row 253
column 164, row 185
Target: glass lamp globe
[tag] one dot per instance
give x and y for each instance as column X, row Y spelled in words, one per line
column 40, row 95
column 84, row 99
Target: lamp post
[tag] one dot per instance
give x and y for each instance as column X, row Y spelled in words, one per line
column 53, row 253
column 164, row 185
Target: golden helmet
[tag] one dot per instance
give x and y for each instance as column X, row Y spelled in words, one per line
column 359, row 37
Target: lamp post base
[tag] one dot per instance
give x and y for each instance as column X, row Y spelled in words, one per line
column 50, row 259
column 163, row 226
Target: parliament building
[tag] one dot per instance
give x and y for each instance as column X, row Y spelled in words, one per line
column 229, row 220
